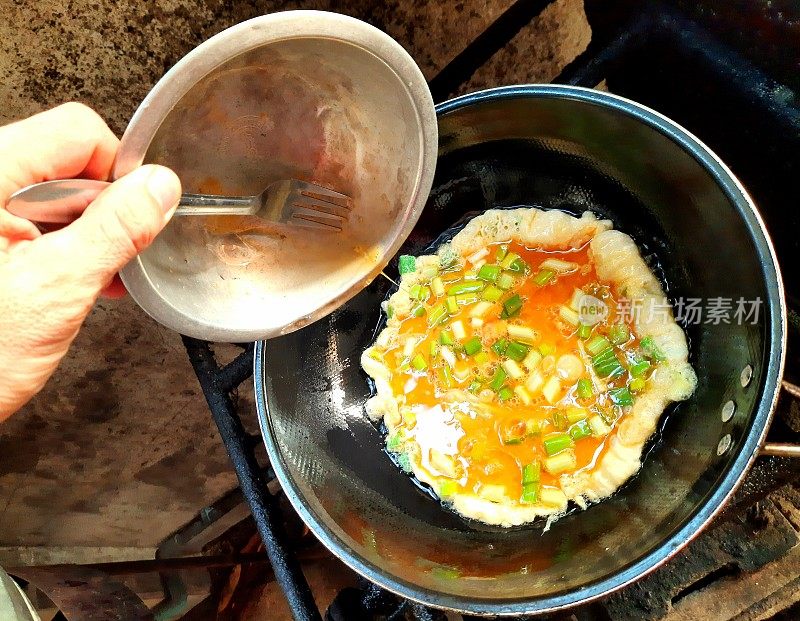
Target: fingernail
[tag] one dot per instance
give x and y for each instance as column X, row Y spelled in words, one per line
column 164, row 186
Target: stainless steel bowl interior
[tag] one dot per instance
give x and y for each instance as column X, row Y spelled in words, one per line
column 304, row 94
column 560, row 148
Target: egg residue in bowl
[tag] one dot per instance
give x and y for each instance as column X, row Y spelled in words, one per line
column 526, row 364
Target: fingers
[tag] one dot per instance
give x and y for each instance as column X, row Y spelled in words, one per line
column 65, row 142
column 121, row 222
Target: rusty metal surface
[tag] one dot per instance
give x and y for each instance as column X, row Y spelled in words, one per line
column 751, row 539
column 84, row 594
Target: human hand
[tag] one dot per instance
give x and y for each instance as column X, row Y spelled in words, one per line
column 49, row 282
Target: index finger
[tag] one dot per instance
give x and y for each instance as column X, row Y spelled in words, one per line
column 62, row 143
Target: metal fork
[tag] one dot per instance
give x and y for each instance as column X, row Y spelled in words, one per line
column 294, row 202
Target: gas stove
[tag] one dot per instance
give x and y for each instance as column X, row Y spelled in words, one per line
column 727, row 76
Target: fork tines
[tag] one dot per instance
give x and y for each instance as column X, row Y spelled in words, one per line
column 321, row 208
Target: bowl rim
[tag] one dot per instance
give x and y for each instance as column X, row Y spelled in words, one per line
column 747, row 449
column 202, row 60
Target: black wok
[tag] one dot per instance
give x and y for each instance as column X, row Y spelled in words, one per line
column 557, row 148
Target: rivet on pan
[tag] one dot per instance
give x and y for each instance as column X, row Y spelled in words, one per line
column 724, row 444
column 727, row 411
column 746, row 376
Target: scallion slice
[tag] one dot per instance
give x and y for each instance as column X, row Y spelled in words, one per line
column 496, row 383
column 584, row 331
column 511, row 306
column 637, row 384
column 557, row 442
column 466, row 286
column 651, row 350
column 502, row 251
column 505, row 393
column 492, row 293
column 530, row 493
column 607, row 364
column 447, row 488
column 505, row 281
column 639, row 368
column 446, row 337
column 518, row 266
column 516, row 351
column 619, row 333
column 584, row 389
column 542, row 277
column 489, row 272
column 598, row 345
column 509, row 259
column 418, row 363
column 621, row 396
column 531, row 473
column 437, row 315
column 467, row 298
column 472, row 346
column 580, row 430
column 418, row 310
column 438, row 287
column 406, row 263
column 452, row 304
column 500, row 346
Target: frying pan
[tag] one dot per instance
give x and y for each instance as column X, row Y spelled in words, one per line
column 557, row 148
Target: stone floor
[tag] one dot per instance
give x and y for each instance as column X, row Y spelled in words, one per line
column 119, row 449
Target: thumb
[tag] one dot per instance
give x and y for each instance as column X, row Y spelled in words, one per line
column 120, row 223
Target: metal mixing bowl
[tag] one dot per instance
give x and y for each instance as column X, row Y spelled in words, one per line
column 305, row 94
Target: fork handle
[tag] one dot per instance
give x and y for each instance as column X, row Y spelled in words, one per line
column 214, row 205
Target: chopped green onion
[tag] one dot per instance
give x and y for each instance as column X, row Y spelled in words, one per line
column 492, row 293
column 575, row 413
column 418, row 362
column 481, row 357
column 621, row 396
column 516, row 351
column 559, row 420
column 437, row 315
column 472, row 346
column 418, row 310
column 543, row 277
column 389, row 311
column 651, row 350
column 533, row 427
column 434, row 349
column 546, row 349
column 451, row 304
column 557, row 442
column 438, row 287
column 569, row 315
column 637, row 384
column 505, row 393
column 511, row 306
column 598, row 345
column 447, row 488
column 509, row 259
column 502, row 251
column 505, row 281
column 584, row 390
column 500, row 346
column 467, row 298
column 531, row 473
column 458, row 330
column 607, row 364
column 406, row 263
column 394, row 441
column 584, row 331
column 639, row 368
column 474, row 386
column 445, row 376
column 518, row 266
column 489, row 272
column 530, row 493
column 430, row 271
column 562, row 462
column 496, row 383
column 522, row 333
column 557, row 265
column 580, row 430
column 404, row 461
column 446, row 337
column 466, row 286
column 619, row 333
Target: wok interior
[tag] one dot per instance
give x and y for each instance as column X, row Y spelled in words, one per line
column 561, row 154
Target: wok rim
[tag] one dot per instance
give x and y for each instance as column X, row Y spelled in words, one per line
column 704, row 513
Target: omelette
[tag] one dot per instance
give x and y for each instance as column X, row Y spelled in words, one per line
column 526, row 364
